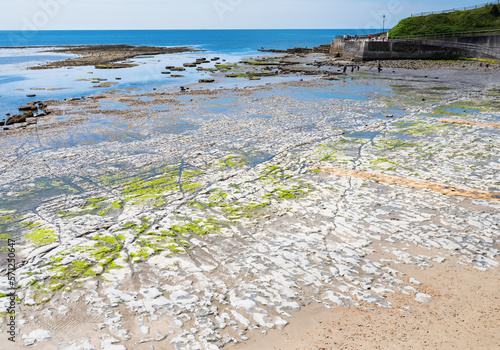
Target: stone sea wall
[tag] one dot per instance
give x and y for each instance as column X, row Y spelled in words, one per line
column 484, row 46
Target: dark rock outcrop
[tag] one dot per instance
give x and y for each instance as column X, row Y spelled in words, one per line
column 16, row 118
column 29, row 107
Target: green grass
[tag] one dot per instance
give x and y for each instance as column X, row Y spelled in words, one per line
column 484, row 18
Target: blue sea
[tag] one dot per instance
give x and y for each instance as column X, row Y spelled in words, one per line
column 22, row 49
column 212, row 40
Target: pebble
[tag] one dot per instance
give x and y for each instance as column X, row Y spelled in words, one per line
column 414, row 281
column 37, row 335
column 423, row 298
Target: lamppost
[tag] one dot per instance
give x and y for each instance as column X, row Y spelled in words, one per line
column 383, row 23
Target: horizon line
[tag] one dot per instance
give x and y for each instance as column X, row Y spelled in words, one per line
column 56, row 30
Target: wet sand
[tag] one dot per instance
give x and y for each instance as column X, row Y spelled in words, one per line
column 463, row 315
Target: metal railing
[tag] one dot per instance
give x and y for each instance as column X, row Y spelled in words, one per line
column 455, row 9
column 360, row 37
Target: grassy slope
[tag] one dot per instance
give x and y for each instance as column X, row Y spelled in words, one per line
column 484, row 18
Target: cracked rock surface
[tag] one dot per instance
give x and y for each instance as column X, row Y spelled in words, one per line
column 189, row 220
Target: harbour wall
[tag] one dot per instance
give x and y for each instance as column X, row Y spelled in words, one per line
column 481, row 46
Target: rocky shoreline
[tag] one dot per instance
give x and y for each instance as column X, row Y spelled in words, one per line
column 197, row 219
column 106, row 56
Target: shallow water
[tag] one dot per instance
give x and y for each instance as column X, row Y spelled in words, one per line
column 113, row 105
column 69, row 82
column 31, row 59
column 369, row 135
column 160, row 108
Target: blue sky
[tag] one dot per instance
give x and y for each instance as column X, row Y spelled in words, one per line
column 211, row 14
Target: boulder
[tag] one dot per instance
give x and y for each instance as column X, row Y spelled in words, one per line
column 16, row 118
column 28, row 107
column 28, row 114
column 2, row 122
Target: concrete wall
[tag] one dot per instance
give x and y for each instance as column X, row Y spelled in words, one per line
column 337, row 48
column 491, row 41
column 400, row 50
column 483, row 46
column 342, row 48
column 490, row 45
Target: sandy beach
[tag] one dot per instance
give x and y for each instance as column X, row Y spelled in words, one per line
column 314, row 211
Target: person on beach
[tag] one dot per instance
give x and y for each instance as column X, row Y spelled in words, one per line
column 379, row 67
column 345, row 69
column 352, row 69
column 358, row 68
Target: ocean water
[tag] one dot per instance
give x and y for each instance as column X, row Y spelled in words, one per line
column 20, row 50
column 227, row 41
